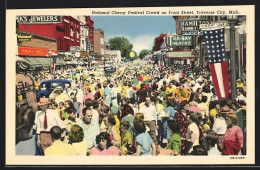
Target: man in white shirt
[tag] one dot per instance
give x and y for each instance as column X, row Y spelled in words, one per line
column 45, row 119
column 240, row 95
column 220, row 126
column 150, row 118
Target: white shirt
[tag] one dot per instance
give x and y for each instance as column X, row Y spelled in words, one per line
column 220, row 126
column 149, row 112
column 241, row 97
column 193, row 129
column 95, row 115
column 129, row 92
column 79, row 96
column 53, row 119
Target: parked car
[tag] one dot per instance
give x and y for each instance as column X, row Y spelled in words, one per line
column 46, row 87
column 98, row 75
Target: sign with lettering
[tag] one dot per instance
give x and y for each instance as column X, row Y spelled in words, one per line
column 212, row 26
column 192, row 32
column 192, row 24
column 179, row 40
column 36, row 52
column 38, row 19
column 24, row 37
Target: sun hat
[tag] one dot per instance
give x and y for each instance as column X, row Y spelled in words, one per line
column 58, row 88
column 43, row 101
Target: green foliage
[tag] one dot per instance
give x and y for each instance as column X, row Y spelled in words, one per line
column 122, row 44
column 143, row 53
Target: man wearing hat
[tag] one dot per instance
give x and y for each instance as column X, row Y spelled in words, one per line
column 58, row 95
column 45, row 119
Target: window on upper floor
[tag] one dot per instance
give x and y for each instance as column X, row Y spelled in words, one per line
column 77, row 33
column 71, row 32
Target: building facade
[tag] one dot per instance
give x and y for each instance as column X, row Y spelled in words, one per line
column 99, row 43
column 67, row 33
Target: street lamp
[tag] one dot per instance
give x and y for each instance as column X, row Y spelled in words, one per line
column 232, row 20
column 50, row 51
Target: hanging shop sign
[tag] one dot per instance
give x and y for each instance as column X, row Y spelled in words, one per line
column 192, row 32
column 21, row 37
column 212, row 26
column 179, row 40
column 38, row 19
column 179, row 54
column 31, row 51
column 192, row 26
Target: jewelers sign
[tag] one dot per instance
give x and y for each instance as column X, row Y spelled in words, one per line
column 38, row 19
column 179, row 40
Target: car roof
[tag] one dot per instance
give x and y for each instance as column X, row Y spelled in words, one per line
column 56, row 80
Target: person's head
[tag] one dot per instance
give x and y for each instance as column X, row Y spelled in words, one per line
column 211, row 138
column 61, row 105
column 193, row 118
column 124, row 126
column 231, row 119
column 139, row 116
column 206, row 89
column 139, row 126
column 58, row 90
column 50, row 106
column 239, row 91
column 95, row 104
column 199, row 150
column 87, row 113
column 68, row 104
column 72, row 113
column 199, row 90
column 76, row 134
column 147, row 101
column 43, row 103
column 55, row 132
column 109, row 120
column 173, row 126
column 103, row 141
column 184, row 105
column 169, row 103
column 104, row 110
column 204, row 99
column 55, row 105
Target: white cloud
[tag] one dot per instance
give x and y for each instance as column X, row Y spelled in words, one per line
column 143, row 42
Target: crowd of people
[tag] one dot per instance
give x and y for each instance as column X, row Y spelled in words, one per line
column 138, row 111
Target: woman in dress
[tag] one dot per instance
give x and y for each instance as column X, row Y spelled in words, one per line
column 233, row 139
column 181, row 118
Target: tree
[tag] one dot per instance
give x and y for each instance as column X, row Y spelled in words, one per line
column 122, row 44
column 143, row 53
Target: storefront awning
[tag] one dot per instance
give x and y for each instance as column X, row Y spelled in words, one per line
column 40, row 62
column 180, row 54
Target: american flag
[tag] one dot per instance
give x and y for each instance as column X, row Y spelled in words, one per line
column 215, row 45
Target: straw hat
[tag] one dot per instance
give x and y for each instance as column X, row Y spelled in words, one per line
column 43, row 101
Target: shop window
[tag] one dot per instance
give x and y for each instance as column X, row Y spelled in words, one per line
column 71, row 32
column 77, row 34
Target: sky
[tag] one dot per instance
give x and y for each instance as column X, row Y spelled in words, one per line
column 139, row 30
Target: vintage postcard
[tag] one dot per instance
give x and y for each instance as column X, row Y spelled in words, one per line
column 130, row 86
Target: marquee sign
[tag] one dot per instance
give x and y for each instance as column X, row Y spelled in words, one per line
column 180, row 54
column 179, row 40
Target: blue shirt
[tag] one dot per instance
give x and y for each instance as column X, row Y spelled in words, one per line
column 171, row 110
column 107, row 93
column 90, row 133
column 145, row 141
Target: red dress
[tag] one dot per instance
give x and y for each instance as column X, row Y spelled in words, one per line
column 183, row 123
